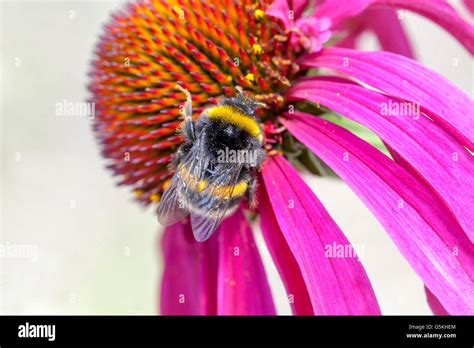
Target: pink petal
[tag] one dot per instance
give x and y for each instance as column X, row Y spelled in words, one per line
column 469, row 5
column 281, row 10
column 434, row 303
column 412, row 215
column 242, row 284
column 283, row 257
column 438, row 11
column 189, row 283
column 336, row 285
column 298, row 6
column 351, row 40
column 388, row 29
column 384, row 23
column 339, row 10
column 316, row 33
column 404, row 78
column 422, row 144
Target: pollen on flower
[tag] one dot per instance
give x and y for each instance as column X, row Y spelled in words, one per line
column 259, row 13
column 209, row 48
column 166, row 183
column 250, row 77
column 179, row 11
column 154, row 197
column 257, row 49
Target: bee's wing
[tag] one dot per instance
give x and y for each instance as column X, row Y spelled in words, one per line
column 172, row 208
column 196, row 162
column 204, row 225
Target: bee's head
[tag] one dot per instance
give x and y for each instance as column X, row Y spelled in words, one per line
column 242, row 101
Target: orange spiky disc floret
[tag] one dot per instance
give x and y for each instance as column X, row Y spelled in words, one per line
column 208, row 48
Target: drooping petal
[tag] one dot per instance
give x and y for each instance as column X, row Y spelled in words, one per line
column 242, row 283
column 389, row 31
column 339, row 10
column 283, row 257
column 386, row 26
column 351, row 39
column 422, row 145
column 336, row 285
column 469, row 5
column 298, row 6
column 189, row 283
column 280, row 9
column 288, row 11
column 404, row 78
column 438, row 11
column 436, row 307
column 412, row 215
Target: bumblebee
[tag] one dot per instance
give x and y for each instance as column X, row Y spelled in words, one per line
column 216, row 166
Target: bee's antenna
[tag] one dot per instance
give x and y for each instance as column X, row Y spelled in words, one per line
column 240, row 91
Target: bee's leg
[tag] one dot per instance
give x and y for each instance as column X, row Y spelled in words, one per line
column 188, row 126
column 256, row 158
column 252, row 188
column 260, row 156
column 177, row 158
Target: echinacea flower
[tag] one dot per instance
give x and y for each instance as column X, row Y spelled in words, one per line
column 298, row 59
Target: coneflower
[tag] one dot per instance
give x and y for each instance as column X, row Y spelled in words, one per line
column 298, row 59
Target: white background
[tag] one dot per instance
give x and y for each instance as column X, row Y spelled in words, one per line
column 96, row 248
